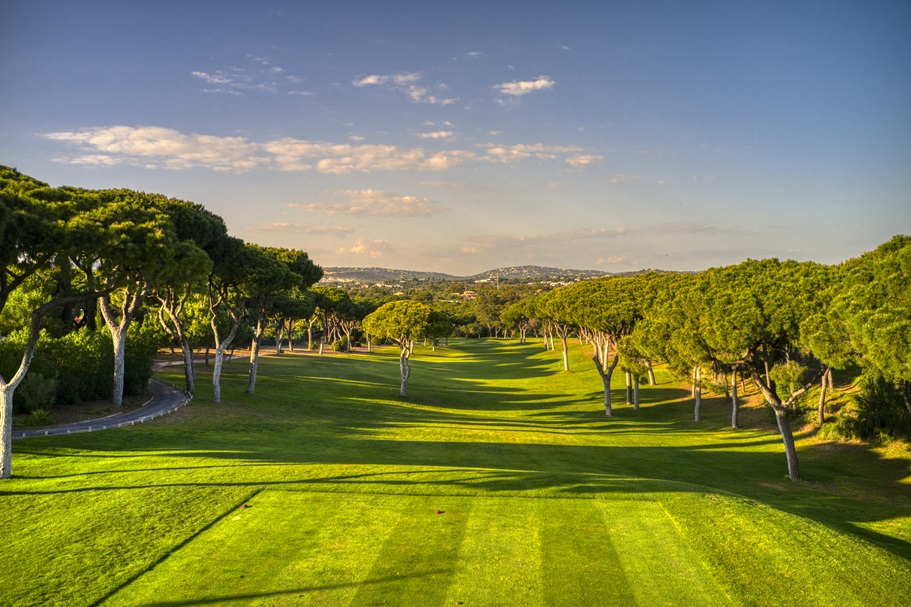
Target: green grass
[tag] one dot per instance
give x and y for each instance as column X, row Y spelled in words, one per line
column 543, row 500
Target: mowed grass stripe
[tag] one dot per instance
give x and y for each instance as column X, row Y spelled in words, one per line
column 287, row 548
column 655, row 558
column 500, row 557
column 580, row 561
column 762, row 554
column 420, row 554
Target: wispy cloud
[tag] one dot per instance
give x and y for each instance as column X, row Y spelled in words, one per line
column 256, row 74
column 519, row 88
column 522, row 151
column 164, row 148
column 533, row 244
column 374, row 203
column 407, row 83
column 296, row 228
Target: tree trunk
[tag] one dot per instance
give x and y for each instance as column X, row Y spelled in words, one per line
column 605, row 375
column 119, row 339
column 189, row 369
column 697, row 394
column 404, row 367
column 735, row 410
column 635, row 392
column 781, row 417
column 822, row 396
column 118, row 329
column 279, row 335
column 254, row 356
column 177, row 330
column 8, row 388
column 221, row 347
column 651, row 374
column 629, row 387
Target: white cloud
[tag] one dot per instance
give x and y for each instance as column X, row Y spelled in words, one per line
column 374, row 203
column 164, row 148
column 158, row 147
column 523, row 151
column 437, row 135
column 406, row 82
column 524, row 87
column 370, row 248
column 583, row 160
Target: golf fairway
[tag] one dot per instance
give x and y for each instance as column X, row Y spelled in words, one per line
column 498, row 481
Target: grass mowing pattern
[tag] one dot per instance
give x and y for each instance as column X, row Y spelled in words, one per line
column 543, row 500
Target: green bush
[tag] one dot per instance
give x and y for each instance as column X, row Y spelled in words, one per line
column 82, row 362
column 876, row 413
column 340, row 345
column 37, row 392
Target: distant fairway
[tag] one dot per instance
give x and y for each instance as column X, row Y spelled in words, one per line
column 542, row 500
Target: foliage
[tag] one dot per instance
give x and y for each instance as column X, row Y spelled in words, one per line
column 876, row 412
column 37, row 392
column 81, row 363
column 402, row 321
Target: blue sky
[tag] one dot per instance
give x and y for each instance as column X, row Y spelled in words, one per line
column 459, row 138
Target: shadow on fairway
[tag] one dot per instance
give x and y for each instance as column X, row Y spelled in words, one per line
column 462, row 434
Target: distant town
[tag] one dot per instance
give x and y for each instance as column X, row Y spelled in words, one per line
column 398, row 280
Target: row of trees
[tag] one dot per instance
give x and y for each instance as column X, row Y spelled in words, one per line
column 782, row 325
column 105, row 259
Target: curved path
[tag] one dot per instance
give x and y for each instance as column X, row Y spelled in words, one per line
column 165, row 399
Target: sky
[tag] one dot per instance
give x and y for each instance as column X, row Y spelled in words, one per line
column 467, row 136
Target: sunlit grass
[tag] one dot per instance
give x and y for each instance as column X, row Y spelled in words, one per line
column 543, row 499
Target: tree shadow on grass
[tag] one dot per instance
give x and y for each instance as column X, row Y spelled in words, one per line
column 274, row 440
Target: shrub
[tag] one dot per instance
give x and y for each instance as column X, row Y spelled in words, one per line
column 340, row 345
column 876, row 413
column 36, row 392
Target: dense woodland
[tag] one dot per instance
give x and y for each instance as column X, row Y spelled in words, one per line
column 95, row 282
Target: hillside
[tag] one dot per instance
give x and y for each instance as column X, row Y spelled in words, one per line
column 517, row 273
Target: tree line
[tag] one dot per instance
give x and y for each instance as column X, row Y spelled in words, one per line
column 783, row 326
column 78, row 263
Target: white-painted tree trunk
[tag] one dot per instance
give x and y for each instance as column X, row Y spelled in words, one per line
column 697, row 394
column 404, row 366
column 254, row 356
column 221, row 346
column 119, row 328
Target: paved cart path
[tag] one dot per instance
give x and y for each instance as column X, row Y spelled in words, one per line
column 165, row 399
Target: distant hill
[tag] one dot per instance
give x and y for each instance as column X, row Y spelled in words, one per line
column 522, row 273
